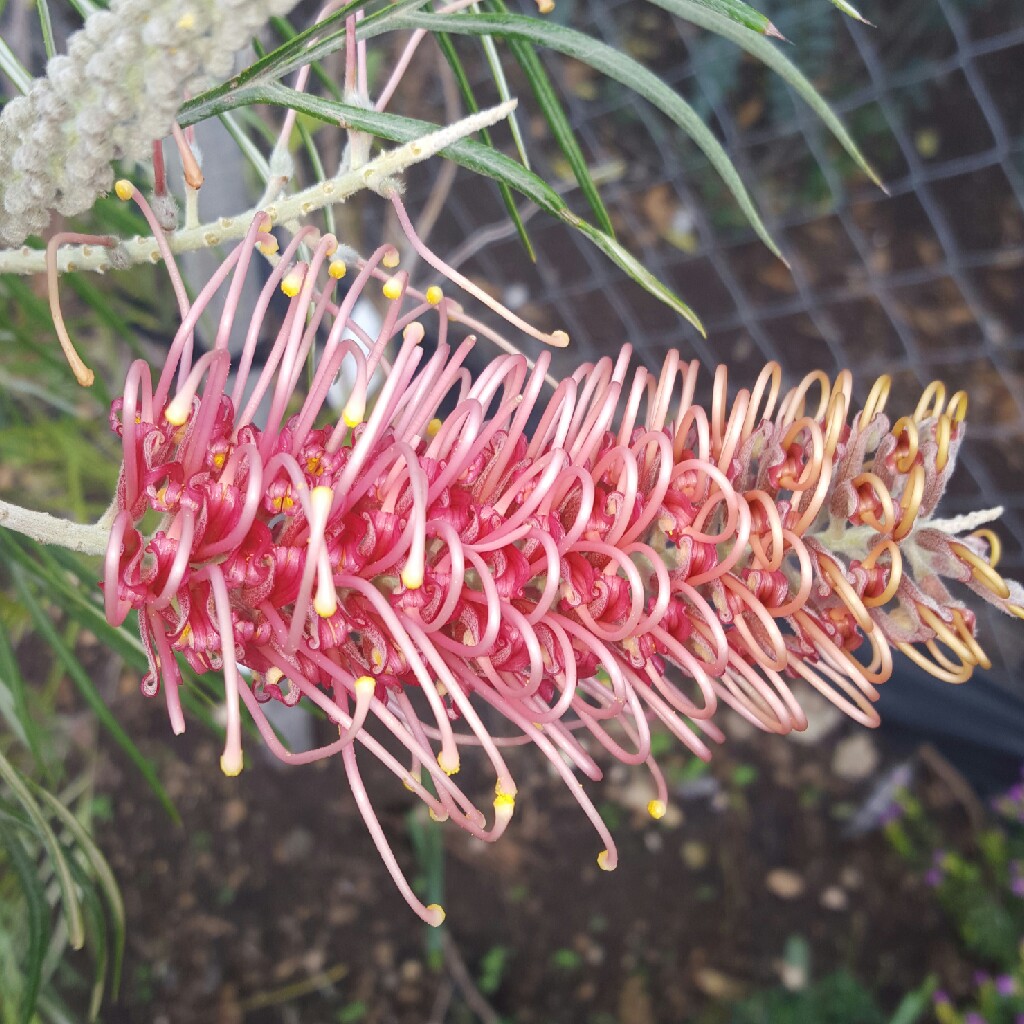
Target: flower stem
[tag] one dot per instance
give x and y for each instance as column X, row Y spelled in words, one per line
column 85, row 538
column 335, row 190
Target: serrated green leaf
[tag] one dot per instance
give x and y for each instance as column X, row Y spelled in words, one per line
column 766, row 52
column 87, row 689
column 447, row 48
column 558, row 121
column 616, row 65
column 37, row 914
column 69, row 898
column 474, row 157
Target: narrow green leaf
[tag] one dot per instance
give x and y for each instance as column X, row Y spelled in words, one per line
column 447, row 48
column 283, row 27
column 13, row 698
column 743, row 14
column 475, row 157
column 96, row 931
column 87, row 689
column 69, row 898
column 306, row 47
column 13, row 68
column 37, row 914
column 914, row 1005
column 504, row 93
column 632, row 266
column 101, row 870
column 765, row 52
column 558, row 122
column 616, row 65
column 850, row 11
column 43, row 7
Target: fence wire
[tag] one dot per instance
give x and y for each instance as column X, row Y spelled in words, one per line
column 921, row 283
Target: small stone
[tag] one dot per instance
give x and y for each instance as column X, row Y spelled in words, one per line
column 653, row 841
column 834, row 898
column 234, row 813
column 694, row 854
column 295, row 846
column 716, row 984
column 823, row 718
column 856, row 758
column 784, row 883
column 851, row 878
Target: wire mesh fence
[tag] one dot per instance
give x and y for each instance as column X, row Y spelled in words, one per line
column 921, row 283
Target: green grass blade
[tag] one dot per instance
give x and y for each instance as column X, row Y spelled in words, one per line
column 615, row 65
column 558, row 121
column 447, row 47
column 69, row 898
column 37, row 915
column 765, row 52
column 476, row 157
column 101, row 870
column 89, row 693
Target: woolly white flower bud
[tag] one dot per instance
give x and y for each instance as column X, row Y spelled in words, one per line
column 58, row 141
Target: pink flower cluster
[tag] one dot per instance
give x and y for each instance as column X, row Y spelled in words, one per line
column 555, row 569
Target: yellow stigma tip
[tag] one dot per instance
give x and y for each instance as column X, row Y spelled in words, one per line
column 434, row 816
column 412, row 579
column 176, row 414
column 391, row 259
column 504, row 802
column 325, row 609
column 124, row 189
column 604, row 861
column 434, row 295
column 365, row 684
column 268, row 246
column 448, row 769
column 392, row 288
column 322, row 494
column 657, row 809
column 291, row 287
column 231, row 766
column 437, row 915
column 433, row 427
column 337, row 269
column 559, row 339
column 351, row 420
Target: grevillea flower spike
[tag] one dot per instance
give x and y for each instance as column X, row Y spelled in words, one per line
column 550, row 569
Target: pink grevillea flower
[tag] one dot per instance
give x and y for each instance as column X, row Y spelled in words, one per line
column 552, row 569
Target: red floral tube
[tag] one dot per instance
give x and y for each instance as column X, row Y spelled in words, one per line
column 553, row 567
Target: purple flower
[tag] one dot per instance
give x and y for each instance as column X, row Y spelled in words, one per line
column 1006, row 985
column 974, row 1018
column 941, row 998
